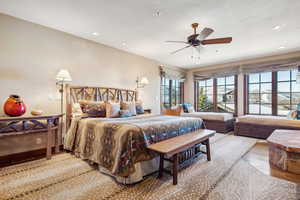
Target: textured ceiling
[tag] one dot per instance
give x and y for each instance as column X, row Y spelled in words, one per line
column 135, row 22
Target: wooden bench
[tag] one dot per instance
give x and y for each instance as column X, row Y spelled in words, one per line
column 171, row 147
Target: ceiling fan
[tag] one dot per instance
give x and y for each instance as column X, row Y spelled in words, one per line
column 196, row 40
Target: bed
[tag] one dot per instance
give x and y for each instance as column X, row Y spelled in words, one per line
column 119, row 145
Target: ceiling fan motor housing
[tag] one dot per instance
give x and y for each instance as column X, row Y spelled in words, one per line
column 192, row 40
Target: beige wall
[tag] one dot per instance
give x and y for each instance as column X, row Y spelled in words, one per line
column 31, row 55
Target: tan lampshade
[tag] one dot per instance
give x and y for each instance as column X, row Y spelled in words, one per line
column 144, row 81
column 63, row 76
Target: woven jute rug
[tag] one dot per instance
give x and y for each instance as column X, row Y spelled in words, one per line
column 227, row 176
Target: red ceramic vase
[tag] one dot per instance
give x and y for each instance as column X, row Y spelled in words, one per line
column 14, row 106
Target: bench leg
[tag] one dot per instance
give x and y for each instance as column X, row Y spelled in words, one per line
column 207, row 150
column 175, row 168
column 161, row 165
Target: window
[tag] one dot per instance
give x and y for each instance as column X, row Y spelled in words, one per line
column 175, row 93
column 272, row 93
column 165, row 92
column 225, row 94
column 260, row 93
column 171, row 92
column 218, row 94
column 288, row 92
column 205, row 95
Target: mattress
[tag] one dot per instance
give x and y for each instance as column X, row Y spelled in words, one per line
column 118, row 144
column 210, row 115
column 269, row 120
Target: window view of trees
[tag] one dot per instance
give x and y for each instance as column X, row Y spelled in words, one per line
column 225, row 94
column 171, row 91
column 175, row 93
column 205, row 95
column 165, row 92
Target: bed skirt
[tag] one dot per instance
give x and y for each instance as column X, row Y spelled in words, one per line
column 142, row 169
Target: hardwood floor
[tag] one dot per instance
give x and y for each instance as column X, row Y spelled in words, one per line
column 258, row 157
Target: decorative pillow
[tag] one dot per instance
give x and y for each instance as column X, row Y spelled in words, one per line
column 76, row 108
column 292, row 114
column 129, row 106
column 191, row 109
column 93, row 108
column 112, row 109
column 77, row 111
column 139, row 108
column 125, row 113
column 185, row 107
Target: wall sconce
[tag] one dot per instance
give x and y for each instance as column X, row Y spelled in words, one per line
column 141, row 83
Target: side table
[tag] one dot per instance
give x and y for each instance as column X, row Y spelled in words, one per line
column 33, row 124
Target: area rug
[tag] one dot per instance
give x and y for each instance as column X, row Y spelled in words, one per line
column 66, row 177
column 245, row 182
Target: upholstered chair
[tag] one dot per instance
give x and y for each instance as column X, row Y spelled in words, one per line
column 172, row 111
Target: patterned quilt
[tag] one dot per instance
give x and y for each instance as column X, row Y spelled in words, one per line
column 117, row 144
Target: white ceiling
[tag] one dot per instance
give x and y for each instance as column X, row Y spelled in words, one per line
column 249, row 22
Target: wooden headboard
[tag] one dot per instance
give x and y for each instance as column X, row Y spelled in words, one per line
column 76, row 93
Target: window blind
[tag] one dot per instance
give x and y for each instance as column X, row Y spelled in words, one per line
column 216, row 73
column 268, row 66
column 172, row 74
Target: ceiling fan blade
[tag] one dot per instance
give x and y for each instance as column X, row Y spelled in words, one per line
column 205, row 33
column 180, row 49
column 217, row 41
column 177, row 42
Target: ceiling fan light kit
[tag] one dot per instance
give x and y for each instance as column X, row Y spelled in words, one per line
column 197, row 40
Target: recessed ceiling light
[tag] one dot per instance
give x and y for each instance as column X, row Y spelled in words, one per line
column 276, row 27
column 157, row 13
column 124, row 44
column 282, row 47
column 95, row 33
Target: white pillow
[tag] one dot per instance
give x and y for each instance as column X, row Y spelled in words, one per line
column 191, row 109
column 76, row 108
column 292, row 114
